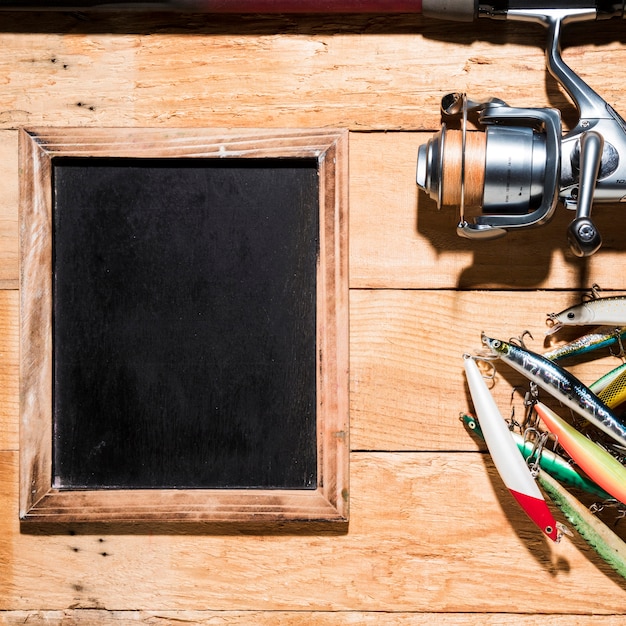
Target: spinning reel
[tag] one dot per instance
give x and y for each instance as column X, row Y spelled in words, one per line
column 517, row 166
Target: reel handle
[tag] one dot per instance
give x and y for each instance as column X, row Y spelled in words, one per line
column 582, row 235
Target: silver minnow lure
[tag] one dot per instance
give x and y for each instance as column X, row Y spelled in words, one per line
column 559, row 383
column 602, row 311
column 601, row 337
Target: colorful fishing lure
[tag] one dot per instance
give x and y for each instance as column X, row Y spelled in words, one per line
column 549, row 461
column 561, row 384
column 607, row 378
column 605, row 542
column 596, row 462
column 507, row 459
column 603, row 311
column 614, row 393
column 601, row 337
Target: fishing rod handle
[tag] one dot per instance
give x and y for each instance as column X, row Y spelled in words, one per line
column 220, row 6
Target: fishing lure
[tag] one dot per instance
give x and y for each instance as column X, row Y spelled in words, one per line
column 549, row 461
column 507, row 459
column 614, row 393
column 607, row 378
column 596, row 462
column 603, row 311
column 601, row 337
column 561, row 384
column 597, row 534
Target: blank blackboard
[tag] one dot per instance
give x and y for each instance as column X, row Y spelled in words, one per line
column 187, row 305
column 184, row 329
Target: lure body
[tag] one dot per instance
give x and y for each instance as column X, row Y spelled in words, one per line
column 506, row 457
column 601, row 337
column 604, row 311
column 558, row 382
column 614, row 393
column 550, row 462
column 607, row 379
column 596, row 462
column 597, row 534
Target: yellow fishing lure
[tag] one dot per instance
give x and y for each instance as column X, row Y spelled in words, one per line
column 614, row 393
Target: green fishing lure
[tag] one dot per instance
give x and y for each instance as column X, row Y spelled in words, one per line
column 555, row 465
column 597, row 534
column 604, row 381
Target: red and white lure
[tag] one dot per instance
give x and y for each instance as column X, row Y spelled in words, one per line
column 506, row 456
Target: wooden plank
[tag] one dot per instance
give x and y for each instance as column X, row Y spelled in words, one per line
column 433, row 536
column 9, row 366
column 407, row 384
column 9, row 192
column 428, row 531
column 103, row 617
column 359, row 72
column 398, row 238
column 407, row 381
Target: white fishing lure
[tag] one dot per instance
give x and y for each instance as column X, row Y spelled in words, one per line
column 506, row 456
column 601, row 311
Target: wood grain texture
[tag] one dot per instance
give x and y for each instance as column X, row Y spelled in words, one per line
column 9, row 193
column 35, row 369
column 424, row 529
column 398, row 239
column 111, row 70
column 407, row 382
column 102, row 617
column 9, row 366
column 433, row 537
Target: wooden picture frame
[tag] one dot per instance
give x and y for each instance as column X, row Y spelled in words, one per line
column 43, row 380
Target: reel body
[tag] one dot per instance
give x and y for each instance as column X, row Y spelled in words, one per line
column 517, row 165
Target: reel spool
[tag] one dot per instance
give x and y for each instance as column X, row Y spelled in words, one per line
column 508, row 159
column 508, row 169
column 496, row 169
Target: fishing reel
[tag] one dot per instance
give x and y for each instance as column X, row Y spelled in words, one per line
column 513, row 166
